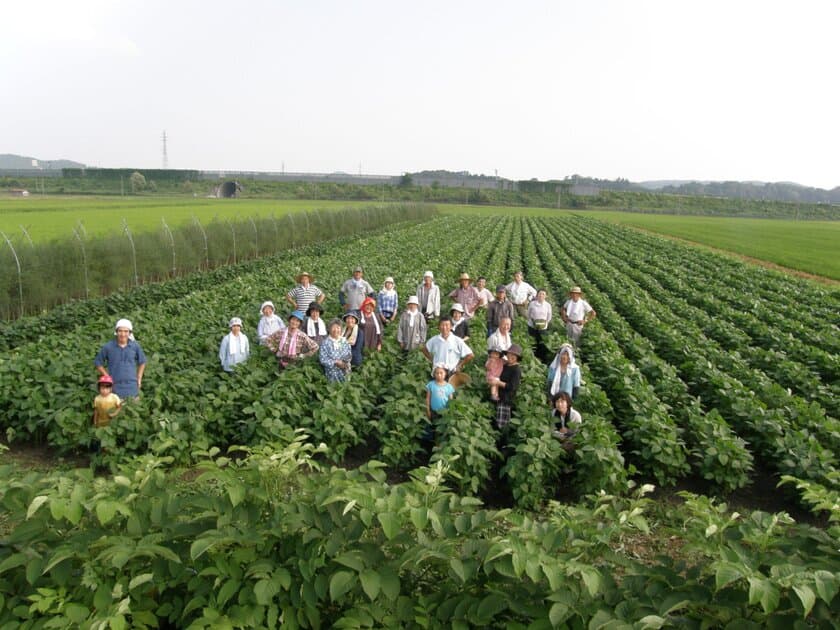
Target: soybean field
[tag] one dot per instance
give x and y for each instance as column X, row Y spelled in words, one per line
column 234, row 500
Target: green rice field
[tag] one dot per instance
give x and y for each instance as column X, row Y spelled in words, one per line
column 809, row 246
column 51, row 218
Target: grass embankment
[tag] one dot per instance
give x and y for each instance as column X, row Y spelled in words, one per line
column 809, row 246
column 54, row 217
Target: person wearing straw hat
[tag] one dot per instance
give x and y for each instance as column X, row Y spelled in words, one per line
column 270, row 322
column 387, row 302
column 576, row 314
column 291, row 344
column 508, row 384
column 447, row 348
column 428, row 296
column 234, row 348
column 466, row 295
column 411, row 331
column 354, row 291
column 124, row 360
column 520, row 293
column 304, row 293
column 460, row 324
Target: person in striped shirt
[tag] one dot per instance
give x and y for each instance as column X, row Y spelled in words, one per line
column 304, row 293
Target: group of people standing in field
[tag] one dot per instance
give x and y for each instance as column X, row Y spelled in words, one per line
column 342, row 342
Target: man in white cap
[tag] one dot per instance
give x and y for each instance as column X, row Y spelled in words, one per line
column 124, row 360
column 234, row 348
column 520, row 293
column 354, row 291
column 576, row 313
column 428, row 296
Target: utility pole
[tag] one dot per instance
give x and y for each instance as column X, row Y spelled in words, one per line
column 165, row 156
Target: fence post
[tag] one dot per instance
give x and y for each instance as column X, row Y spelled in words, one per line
column 233, row 232
column 133, row 251
column 204, row 234
column 17, row 262
column 171, row 241
column 78, row 236
column 256, row 238
column 28, row 238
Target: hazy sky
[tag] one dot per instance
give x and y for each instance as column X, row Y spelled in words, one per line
column 735, row 89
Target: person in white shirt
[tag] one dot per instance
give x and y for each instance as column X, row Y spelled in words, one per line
column 520, row 293
column 234, row 348
column 447, row 349
column 270, row 322
column 576, row 314
column 428, row 296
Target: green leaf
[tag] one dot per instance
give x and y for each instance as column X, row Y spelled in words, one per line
column 105, row 511
column 200, row 546
column 265, row 590
column 592, row 579
column 726, row 573
column 350, row 560
column 558, row 614
column 765, row 592
column 419, row 517
column 826, row 585
column 236, row 492
column 76, row 613
column 340, row 583
column 13, row 561
column 36, row 503
column 371, row 583
column 458, row 568
column 227, row 591
column 390, row 582
column 390, row 524
column 140, row 579
column 654, row 622
column 491, row 606
column 806, row 596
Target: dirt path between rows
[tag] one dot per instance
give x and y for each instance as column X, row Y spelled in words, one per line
column 756, row 261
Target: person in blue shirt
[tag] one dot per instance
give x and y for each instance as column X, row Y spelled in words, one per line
column 123, row 359
column 438, row 392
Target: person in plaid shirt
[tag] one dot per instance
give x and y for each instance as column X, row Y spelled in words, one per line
column 387, row 301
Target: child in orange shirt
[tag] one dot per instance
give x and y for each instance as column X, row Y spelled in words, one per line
column 107, row 404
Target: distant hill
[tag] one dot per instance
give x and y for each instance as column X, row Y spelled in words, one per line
column 11, row 161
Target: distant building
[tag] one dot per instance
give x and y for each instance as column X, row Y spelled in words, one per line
column 18, row 192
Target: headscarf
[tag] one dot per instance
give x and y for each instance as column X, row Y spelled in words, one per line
column 555, row 365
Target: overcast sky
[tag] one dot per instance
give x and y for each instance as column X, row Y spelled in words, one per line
column 744, row 89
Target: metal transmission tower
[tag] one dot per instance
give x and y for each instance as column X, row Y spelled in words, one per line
column 165, row 156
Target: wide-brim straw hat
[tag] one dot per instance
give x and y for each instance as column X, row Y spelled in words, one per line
column 575, row 290
column 459, row 379
column 464, row 276
column 304, row 273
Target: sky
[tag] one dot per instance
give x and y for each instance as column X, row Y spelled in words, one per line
column 644, row 89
